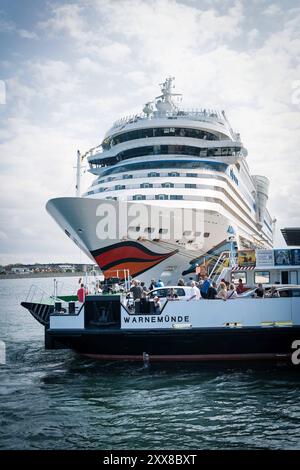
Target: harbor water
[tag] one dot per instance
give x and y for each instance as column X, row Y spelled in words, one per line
column 59, row 400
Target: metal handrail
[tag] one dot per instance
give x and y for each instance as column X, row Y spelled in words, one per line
column 35, row 290
column 218, row 263
column 206, row 115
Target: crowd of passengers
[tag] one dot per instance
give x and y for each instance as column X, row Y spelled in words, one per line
column 202, row 289
column 205, row 288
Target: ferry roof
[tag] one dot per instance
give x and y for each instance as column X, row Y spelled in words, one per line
column 291, row 236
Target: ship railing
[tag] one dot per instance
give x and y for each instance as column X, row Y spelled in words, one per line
column 93, row 151
column 201, row 114
column 37, row 295
column 214, row 274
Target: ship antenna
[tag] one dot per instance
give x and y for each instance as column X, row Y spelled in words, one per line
column 78, row 173
column 164, row 102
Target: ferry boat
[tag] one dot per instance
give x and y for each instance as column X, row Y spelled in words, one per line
column 171, row 185
column 108, row 327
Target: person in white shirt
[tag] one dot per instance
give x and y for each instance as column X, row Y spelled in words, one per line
column 195, row 292
column 231, row 293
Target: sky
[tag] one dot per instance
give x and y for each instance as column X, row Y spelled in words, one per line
column 68, row 69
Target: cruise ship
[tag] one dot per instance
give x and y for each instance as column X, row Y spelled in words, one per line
column 172, row 188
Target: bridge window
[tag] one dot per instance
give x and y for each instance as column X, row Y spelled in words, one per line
column 161, row 132
column 262, row 277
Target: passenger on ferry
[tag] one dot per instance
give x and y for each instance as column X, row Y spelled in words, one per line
column 157, row 304
column 189, row 283
column 212, row 291
column 240, row 287
column 152, row 284
column 136, row 290
column 160, row 283
column 81, row 293
column 144, row 303
column 222, row 294
column 195, row 292
column 205, row 286
column 260, row 291
column 172, row 294
column 144, row 287
column 231, row 293
column 273, row 292
column 181, row 282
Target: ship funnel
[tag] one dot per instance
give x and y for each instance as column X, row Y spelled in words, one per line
column 261, row 184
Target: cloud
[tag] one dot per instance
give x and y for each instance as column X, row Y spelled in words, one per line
column 97, row 60
column 11, row 28
column 272, row 10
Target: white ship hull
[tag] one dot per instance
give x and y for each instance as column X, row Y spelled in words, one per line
column 144, row 255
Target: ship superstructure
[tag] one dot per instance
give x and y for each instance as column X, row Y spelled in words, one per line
column 168, row 158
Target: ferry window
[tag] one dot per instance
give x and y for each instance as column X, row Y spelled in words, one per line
column 239, row 275
column 174, row 173
column 167, row 185
column 285, row 293
column 296, row 292
column 161, row 196
column 159, row 293
column 206, row 234
column 191, row 175
column 125, row 177
column 153, row 174
column 139, row 197
column 262, row 277
column 180, row 292
column 176, row 197
column 146, row 185
column 118, row 186
column 190, row 186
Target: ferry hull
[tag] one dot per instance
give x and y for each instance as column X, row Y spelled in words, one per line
column 203, row 344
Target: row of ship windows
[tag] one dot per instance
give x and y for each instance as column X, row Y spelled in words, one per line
column 162, row 231
column 178, row 164
column 167, row 150
column 160, row 132
column 142, row 197
column 154, row 174
column 119, row 187
column 167, row 184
